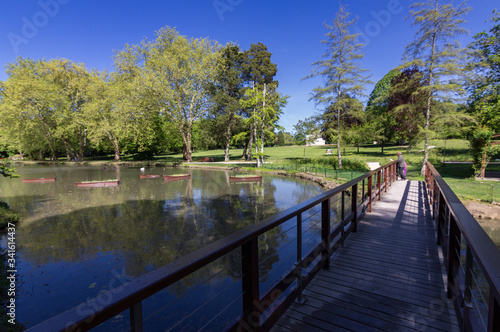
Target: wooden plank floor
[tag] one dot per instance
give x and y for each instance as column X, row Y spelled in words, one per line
column 388, row 277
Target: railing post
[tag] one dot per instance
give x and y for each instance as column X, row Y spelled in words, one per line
column 250, row 282
column 370, row 193
column 299, row 299
column 493, row 313
column 136, row 317
column 342, row 214
column 436, row 210
column 385, row 179
column 354, row 207
column 453, row 255
column 467, row 291
column 325, row 233
column 342, row 217
column 379, row 190
column 391, row 174
column 363, row 192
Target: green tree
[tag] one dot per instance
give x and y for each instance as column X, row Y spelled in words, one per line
column 305, row 128
column 40, row 105
column 117, row 115
column 482, row 149
column 70, row 83
column 380, row 121
column 406, row 105
column 484, row 87
column 485, row 84
column 258, row 71
column 173, row 78
column 266, row 105
column 103, row 115
column 289, row 139
column 437, row 54
column 342, row 120
column 227, row 91
column 281, row 138
column 23, row 108
column 343, row 77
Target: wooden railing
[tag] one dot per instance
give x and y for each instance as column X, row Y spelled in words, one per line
column 472, row 260
column 259, row 312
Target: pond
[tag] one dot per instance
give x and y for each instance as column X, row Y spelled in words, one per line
column 76, row 243
column 492, row 228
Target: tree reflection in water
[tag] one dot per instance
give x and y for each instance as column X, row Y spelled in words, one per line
column 73, row 242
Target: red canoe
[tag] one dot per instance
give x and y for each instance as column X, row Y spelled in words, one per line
column 97, row 184
column 149, row 176
column 168, row 178
column 40, row 180
column 245, row 178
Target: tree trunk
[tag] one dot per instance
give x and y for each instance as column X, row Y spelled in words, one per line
column 339, row 111
column 48, row 139
column 428, row 110
column 260, row 160
column 245, row 147
column 263, row 138
column 228, row 137
column 256, row 144
column 483, row 166
column 52, row 152
column 187, row 154
column 116, row 146
column 81, row 145
column 250, row 144
column 339, row 155
column 185, row 130
column 426, row 144
column 69, row 153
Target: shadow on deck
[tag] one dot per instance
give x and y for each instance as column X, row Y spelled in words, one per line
column 388, row 277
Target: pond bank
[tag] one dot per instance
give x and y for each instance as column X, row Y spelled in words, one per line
column 479, row 210
column 483, row 211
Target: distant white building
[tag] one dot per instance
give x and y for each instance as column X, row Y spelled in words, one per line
column 314, row 139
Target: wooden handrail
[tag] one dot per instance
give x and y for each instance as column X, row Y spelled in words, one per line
column 454, row 222
column 130, row 295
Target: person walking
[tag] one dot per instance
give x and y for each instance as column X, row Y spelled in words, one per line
column 401, row 166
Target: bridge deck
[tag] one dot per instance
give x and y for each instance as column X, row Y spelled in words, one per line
column 388, row 277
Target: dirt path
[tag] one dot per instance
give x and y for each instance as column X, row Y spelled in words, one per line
column 483, row 211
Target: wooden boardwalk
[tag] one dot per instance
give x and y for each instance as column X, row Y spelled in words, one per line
column 388, row 277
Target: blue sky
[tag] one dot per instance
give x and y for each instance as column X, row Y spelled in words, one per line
column 90, row 31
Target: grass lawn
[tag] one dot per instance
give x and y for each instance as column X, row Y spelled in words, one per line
column 456, row 150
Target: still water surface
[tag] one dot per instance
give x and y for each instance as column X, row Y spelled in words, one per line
column 76, row 243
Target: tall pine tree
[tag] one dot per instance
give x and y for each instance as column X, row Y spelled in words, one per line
column 343, row 77
column 437, row 54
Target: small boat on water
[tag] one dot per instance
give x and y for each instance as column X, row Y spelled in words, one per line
column 174, row 177
column 39, row 180
column 149, row 176
column 245, row 177
column 98, row 184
